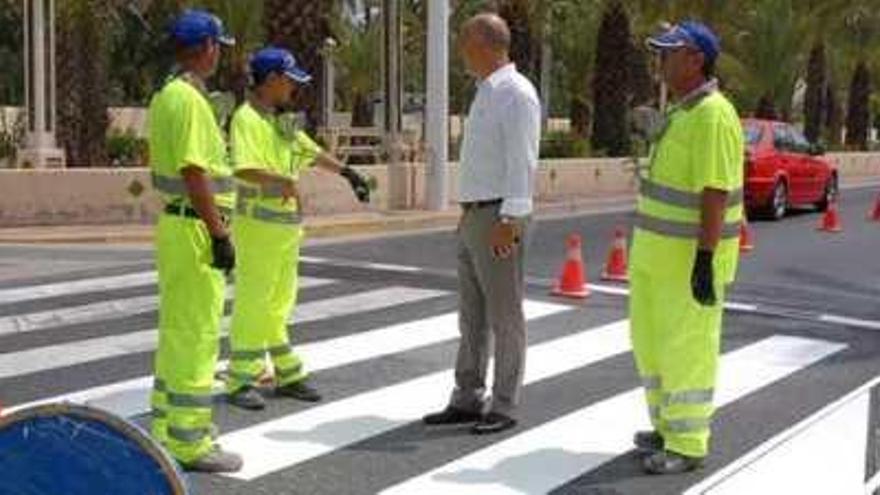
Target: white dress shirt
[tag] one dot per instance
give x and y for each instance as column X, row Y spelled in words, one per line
column 502, row 136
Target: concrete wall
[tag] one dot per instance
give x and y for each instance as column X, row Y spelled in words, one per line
column 110, row 196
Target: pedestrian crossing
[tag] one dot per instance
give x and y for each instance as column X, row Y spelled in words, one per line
column 380, row 378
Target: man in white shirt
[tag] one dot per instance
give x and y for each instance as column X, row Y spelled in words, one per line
column 496, row 183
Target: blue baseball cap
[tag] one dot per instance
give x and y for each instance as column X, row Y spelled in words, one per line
column 279, row 60
column 193, row 27
column 688, row 33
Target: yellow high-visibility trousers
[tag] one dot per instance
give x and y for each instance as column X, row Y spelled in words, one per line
column 676, row 343
column 265, row 293
column 191, row 296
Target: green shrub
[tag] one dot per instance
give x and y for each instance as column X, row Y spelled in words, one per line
column 564, row 145
column 126, row 149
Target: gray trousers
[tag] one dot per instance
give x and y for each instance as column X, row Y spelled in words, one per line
column 490, row 309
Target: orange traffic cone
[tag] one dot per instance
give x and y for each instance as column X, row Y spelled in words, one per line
column 874, row 215
column 746, row 237
column 615, row 268
column 572, row 281
column 831, row 220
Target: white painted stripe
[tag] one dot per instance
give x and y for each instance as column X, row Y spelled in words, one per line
column 314, row 259
column 767, row 448
column 745, row 308
column 131, row 397
column 85, row 351
column 549, row 455
column 284, row 442
column 827, row 458
column 103, row 310
column 21, row 294
column 392, row 268
column 850, row 322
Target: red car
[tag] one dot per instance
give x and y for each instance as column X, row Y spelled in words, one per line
column 783, row 170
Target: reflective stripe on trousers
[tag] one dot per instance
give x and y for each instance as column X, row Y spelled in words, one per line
column 259, row 212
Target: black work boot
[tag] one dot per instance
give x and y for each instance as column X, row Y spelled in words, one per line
column 247, row 397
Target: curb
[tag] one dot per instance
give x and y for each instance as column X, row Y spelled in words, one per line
column 388, row 223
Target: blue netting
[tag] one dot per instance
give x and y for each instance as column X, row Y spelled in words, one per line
column 69, row 455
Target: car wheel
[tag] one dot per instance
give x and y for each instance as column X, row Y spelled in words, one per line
column 832, row 190
column 778, row 206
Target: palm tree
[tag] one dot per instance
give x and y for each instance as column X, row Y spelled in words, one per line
column 82, row 61
column 765, row 55
column 572, row 34
column 244, row 19
column 358, row 58
column 11, row 51
column 526, row 19
column 303, row 26
column 860, row 35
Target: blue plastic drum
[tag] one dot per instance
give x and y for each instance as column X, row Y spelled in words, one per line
column 65, row 449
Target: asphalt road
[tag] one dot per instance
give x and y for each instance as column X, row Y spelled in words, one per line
column 377, row 326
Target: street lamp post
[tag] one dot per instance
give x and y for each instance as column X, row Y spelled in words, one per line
column 437, row 125
column 40, row 150
column 329, row 96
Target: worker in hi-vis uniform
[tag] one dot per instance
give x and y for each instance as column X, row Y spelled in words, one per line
column 191, row 171
column 268, row 157
column 685, row 251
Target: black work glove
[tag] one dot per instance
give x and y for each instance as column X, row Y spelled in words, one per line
column 703, row 279
column 358, row 184
column 223, row 254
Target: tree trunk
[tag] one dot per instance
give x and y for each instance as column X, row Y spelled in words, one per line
column 524, row 44
column 580, row 117
column 644, row 91
column 82, row 57
column 814, row 101
column 834, row 118
column 766, row 108
column 858, row 116
column 362, row 111
column 611, row 83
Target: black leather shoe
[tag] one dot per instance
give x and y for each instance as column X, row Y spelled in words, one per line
column 247, row 397
column 452, row 416
column 648, row 442
column 666, row 462
column 299, row 391
column 493, row 423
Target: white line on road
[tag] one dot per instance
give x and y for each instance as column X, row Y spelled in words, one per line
column 85, row 351
column 103, row 310
column 850, row 322
column 787, row 436
column 21, row 294
column 623, row 291
column 284, row 442
column 556, row 452
column 131, row 397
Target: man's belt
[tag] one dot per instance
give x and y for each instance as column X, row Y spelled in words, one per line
column 190, row 212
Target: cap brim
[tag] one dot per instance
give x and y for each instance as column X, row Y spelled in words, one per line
column 226, row 40
column 299, row 75
column 667, row 41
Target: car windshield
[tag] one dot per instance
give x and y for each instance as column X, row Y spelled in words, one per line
column 752, row 133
